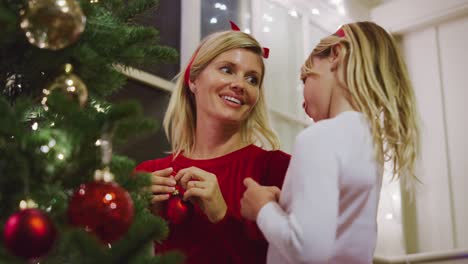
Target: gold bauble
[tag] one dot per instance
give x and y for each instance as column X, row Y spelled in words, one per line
column 70, row 85
column 52, row 24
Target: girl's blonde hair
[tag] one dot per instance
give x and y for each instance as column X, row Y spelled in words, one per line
column 376, row 77
column 180, row 118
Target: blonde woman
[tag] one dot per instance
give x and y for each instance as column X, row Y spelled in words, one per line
column 356, row 88
column 215, row 119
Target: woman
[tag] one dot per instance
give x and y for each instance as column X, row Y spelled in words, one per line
column 215, row 117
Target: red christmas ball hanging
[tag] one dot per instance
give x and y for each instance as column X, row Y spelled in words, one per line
column 104, row 209
column 29, row 234
column 177, row 210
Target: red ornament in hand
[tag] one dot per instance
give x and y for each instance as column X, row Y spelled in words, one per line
column 104, row 209
column 178, row 210
column 29, row 234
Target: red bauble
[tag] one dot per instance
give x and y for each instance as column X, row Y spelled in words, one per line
column 104, row 209
column 29, row 234
column 177, row 210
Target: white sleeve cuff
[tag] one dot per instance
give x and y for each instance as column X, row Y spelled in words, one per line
column 267, row 218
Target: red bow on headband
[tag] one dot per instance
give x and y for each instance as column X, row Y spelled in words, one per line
column 340, row 33
column 266, row 51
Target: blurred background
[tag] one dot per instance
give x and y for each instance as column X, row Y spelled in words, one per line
column 433, row 35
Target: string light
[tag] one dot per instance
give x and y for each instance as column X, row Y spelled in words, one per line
column 99, row 108
column 293, row 13
column 27, row 204
column 389, row 216
column 52, row 143
column 268, row 18
column 220, row 6
column 45, row 149
column 35, row 126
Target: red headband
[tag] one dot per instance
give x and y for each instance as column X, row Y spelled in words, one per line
column 266, row 51
column 234, row 27
column 340, row 33
column 187, row 70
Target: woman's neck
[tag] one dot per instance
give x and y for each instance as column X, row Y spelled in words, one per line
column 213, row 139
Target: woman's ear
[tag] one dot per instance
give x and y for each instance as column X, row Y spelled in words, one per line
column 335, row 56
column 192, row 86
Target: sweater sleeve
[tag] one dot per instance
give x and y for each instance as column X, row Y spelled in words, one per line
column 305, row 233
column 235, row 229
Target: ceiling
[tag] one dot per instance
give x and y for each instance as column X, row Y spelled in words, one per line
column 330, row 14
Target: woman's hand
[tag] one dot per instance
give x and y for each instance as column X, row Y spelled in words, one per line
column 202, row 187
column 162, row 185
column 255, row 197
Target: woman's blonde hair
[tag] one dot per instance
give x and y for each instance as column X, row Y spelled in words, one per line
column 376, row 77
column 180, row 118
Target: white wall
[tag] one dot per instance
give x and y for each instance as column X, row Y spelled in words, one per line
column 453, row 42
column 433, row 196
column 435, row 41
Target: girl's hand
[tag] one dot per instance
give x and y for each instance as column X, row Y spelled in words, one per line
column 203, row 188
column 163, row 184
column 255, row 197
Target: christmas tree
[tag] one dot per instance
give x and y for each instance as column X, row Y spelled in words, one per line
column 64, row 196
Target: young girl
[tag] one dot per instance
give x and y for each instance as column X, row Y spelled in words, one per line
column 216, row 114
column 356, row 88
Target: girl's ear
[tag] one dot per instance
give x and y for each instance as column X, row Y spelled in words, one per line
column 335, row 56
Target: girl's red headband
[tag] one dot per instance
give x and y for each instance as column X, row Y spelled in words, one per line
column 340, row 33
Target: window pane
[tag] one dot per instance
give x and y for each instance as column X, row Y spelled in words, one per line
column 215, row 15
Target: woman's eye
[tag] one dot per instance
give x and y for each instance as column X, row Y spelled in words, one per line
column 226, row 69
column 252, row 80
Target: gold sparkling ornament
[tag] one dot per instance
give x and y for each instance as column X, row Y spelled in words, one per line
column 69, row 84
column 52, row 24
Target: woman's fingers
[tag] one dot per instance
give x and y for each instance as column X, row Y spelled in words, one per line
column 162, row 185
column 194, row 172
column 162, row 189
column 195, row 192
column 163, row 177
column 163, row 173
column 184, row 178
column 197, row 184
column 159, row 198
column 156, row 180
